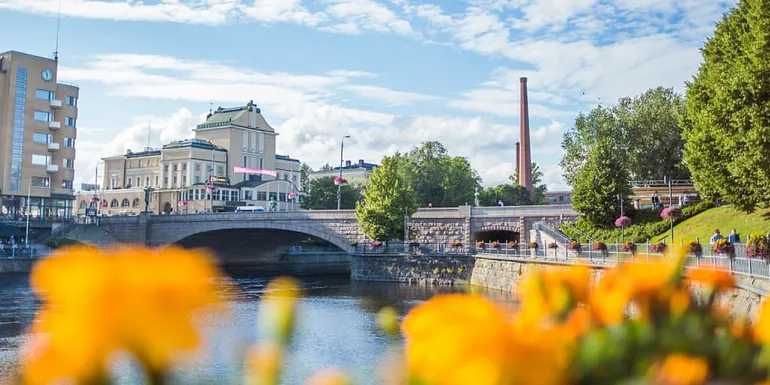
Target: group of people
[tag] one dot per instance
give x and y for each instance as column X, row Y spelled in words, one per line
column 733, row 237
column 657, row 204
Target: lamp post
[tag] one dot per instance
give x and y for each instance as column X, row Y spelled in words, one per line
column 339, row 186
column 26, row 236
column 670, row 200
column 622, row 228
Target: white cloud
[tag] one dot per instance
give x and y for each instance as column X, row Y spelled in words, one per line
column 387, row 95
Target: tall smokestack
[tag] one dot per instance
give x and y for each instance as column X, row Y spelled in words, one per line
column 518, row 160
column 525, row 159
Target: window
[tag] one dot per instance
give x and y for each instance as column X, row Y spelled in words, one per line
column 114, row 203
column 165, row 168
column 184, row 166
column 261, row 195
column 138, row 181
column 294, row 178
column 19, row 109
column 285, row 176
column 156, row 180
column 72, row 101
column 39, row 137
column 196, row 179
column 82, row 205
column 282, row 197
column 165, row 181
column 124, row 203
column 219, row 170
column 184, row 180
column 40, row 160
column 147, row 181
column 248, row 195
column 69, row 142
column 44, row 94
column 68, row 163
column 197, row 167
column 38, row 181
column 273, row 196
column 42, row 116
column 175, row 167
column 66, row 184
column 136, row 202
column 114, row 182
column 174, row 181
column 70, row 122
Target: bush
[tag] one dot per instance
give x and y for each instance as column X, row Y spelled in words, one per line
column 647, row 224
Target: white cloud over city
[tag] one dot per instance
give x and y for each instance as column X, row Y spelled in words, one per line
column 574, row 53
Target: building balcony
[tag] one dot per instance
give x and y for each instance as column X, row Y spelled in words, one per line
column 53, row 146
column 52, row 168
column 54, row 125
column 55, row 103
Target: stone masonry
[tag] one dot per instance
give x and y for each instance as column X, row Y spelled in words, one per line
column 429, row 226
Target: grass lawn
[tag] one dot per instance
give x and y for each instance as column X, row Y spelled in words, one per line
column 724, row 218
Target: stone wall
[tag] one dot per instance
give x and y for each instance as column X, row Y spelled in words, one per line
column 8, row 266
column 420, row 270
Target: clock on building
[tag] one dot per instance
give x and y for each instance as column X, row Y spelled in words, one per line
column 47, row 75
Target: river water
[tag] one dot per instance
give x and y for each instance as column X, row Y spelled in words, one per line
column 336, row 328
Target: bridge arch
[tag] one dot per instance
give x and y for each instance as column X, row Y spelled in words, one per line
column 496, row 232
column 175, row 234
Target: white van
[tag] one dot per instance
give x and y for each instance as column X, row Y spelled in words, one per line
column 249, row 209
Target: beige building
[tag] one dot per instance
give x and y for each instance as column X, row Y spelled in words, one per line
column 38, row 128
column 353, row 172
column 231, row 162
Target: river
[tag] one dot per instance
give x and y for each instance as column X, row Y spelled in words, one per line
column 336, row 327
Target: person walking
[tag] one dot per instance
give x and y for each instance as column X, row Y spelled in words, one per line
column 734, row 237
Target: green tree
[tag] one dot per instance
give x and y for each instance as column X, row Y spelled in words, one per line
column 600, row 123
column 727, row 129
column 537, row 197
column 652, row 128
column 304, row 176
column 321, row 194
column 460, row 182
column 598, row 183
column 389, row 197
column 512, row 194
column 439, row 179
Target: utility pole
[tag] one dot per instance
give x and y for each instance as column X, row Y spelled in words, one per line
column 339, row 185
column 670, row 200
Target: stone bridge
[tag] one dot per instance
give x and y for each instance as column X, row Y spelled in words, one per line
column 268, row 232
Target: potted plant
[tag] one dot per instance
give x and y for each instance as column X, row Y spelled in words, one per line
column 658, row 247
column 340, row 180
column 628, row 247
column 354, row 243
column 573, row 245
column 623, row 221
column 553, row 245
column 513, row 245
column 725, row 247
column 480, row 244
column 455, row 244
column 496, row 244
column 533, row 245
column 672, row 212
column 375, row 245
column 695, row 248
column 758, row 246
column 599, row 246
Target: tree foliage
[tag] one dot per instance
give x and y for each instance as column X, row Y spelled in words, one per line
column 511, row 194
column 304, row 176
column 646, row 128
column 728, row 104
column 388, row 198
column 598, row 183
column 322, row 195
column 439, row 179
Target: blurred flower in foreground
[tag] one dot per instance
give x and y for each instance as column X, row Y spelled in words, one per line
column 137, row 300
column 279, row 306
column 387, row 319
column 680, row 369
column 328, row 377
column 264, row 364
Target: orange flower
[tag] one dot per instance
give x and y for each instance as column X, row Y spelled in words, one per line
column 263, row 364
column 716, row 278
column 610, row 298
column 680, row 369
column 680, row 301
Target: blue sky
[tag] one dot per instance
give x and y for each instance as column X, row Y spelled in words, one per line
column 390, row 73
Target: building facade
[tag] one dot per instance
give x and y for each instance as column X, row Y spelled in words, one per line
column 352, row 172
column 38, row 128
column 231, row 162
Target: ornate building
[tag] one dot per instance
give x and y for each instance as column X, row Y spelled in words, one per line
column 231, row 162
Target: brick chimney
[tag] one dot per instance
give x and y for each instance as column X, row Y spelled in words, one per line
column 525, row 159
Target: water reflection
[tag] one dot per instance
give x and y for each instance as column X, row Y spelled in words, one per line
column 336, row 327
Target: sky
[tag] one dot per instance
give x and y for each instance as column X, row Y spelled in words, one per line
column 390, row 73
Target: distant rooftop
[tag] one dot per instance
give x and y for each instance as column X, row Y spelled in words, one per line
column 143, row 153
column 286, row 158
column 193, row 142
column 361, row 164
column 237, row 117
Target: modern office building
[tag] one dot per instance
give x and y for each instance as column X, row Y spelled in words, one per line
column 231, row 162
column 353, row 172
column 38, row 128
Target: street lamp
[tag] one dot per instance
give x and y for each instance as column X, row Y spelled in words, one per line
column 26, row 236
column 339, row 185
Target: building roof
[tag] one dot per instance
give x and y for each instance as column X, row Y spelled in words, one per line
column 12, row 52
column 237, row 117
column 360, row 164
column 286, row 158
column 141, row 154
column 194, row 143
column 255, row 183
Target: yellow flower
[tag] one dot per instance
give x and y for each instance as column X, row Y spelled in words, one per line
column 680, row 369
column 554, row 292
column 264, row 363
column 387, row 319
column 280, row 303
column 762, row 327
column 716, row 278
column 610, row 298
column 96, row 304
column 680, row 301
column 466, row 339
column 328, row 377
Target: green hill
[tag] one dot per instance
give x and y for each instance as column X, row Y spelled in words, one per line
column 724, row 218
